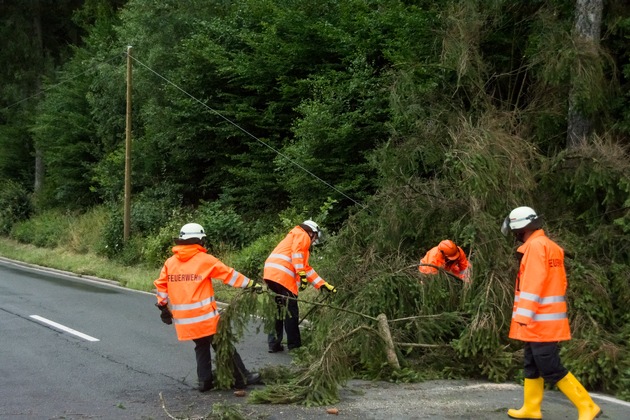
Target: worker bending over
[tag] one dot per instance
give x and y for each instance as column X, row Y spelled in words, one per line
column 448, row 256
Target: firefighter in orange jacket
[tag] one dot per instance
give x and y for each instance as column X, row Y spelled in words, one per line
column 286, row 272
column 449, row 256
column 185, row 297
column 539, row 317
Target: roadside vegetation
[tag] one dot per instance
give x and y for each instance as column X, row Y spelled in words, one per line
column 393, row 124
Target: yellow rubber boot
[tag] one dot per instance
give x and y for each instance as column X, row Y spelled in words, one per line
column 573, row 389
column 532, row 399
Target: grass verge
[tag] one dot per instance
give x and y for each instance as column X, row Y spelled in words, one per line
column 88, row 264
column 135, row 277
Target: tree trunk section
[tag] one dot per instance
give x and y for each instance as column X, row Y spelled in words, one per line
column 386, row 334
column 588, row 22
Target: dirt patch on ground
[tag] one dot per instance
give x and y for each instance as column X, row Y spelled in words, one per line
column 365, row 400
column 362, row 400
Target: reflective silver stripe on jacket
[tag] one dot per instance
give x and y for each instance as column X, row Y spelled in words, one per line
column 164, row 297
column 281, row 268
column 311, row 271
column 539, row 317
column 550, row 317
column 298, row 266
column 318, row 280
column 235, row 275
column 245, row 283
column 196, row 319
column 530, row 296
column 552, row 299
column 297, row 255
column 195, row 305
column 543, row 301
column 524, row 312
column 282, row 257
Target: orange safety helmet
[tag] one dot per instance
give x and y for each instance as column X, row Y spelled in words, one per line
column 449, row 249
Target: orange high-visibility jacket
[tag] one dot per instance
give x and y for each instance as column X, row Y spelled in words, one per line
column 185, row 284
column 288, row 259
column 435, row 257
column 540, row 308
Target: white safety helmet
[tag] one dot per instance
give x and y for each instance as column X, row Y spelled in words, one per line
column 521, row 218
column 192, row 230
column 315, row 228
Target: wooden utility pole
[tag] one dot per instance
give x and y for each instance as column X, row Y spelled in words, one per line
column 127, row 212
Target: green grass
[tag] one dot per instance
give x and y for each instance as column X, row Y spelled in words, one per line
column 86, row 264
column 89, row 264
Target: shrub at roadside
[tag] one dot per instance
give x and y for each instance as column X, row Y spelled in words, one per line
column 157, row 247
column 14, row 205
column 84, row 233
column 48, row 229
column 251, row 259
column 225, row 229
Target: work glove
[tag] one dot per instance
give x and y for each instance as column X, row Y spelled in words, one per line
column 166, row 315
column 303, row 280
column 329, row 288
column 254, row 286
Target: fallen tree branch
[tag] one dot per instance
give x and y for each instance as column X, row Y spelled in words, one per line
column 165, row 410
column 448, row 273
column 386, row 335
column 425, row 316
column 421, row 345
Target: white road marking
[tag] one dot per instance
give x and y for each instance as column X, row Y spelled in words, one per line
column 64, row 328
column 610, row 399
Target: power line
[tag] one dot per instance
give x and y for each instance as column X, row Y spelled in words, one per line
column 278, row 152
column 248, row 133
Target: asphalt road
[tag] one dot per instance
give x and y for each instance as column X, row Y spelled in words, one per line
column 60, row 371
column 108, row 356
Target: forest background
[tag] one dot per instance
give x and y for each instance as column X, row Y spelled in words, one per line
column 394, row 124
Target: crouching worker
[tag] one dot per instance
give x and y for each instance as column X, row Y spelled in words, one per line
column 185, row 297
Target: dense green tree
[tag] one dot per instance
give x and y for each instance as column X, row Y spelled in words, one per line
column 64, row 128
column 37, row 36
column 231, row 81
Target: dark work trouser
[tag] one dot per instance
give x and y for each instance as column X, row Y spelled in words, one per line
column 204, row 362
column 288, row 317
column 543, row 359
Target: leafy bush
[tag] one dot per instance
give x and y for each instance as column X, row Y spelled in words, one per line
column 113, row 232
column 15, row 205
column 251, row 259
column 48, row 229
column 85, row 231
column 157, row 247
column 224, row 227
column 153, row 208
column 79, row 233
column 132, row 251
